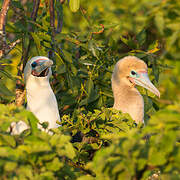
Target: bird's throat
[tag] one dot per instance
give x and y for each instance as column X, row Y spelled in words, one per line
column 128, row 100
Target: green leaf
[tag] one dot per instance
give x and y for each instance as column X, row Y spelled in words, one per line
column 68, row 56
column 172, row 39
column 87, row 177
column 17, row 4
column 6, row 74
column 74, row 5
column 36, row 39
column 10, row 166
column 54, row 165
column 156, row 157
column 159, row 21
column 92, row 47
column 4, row 90
column 124, row 40
column 8, row 139
column 141, row 37
column 33, row 122
column 92, row 94
column 25, row 171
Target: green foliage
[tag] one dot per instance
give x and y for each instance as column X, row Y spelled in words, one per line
column 74, row 5
column 131, row 155
column 94, row 140
column 34, row 154
column 120, row 149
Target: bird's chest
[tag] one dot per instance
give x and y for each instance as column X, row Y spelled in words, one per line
column 44, row 106
column 134, row 105
column 136, row 110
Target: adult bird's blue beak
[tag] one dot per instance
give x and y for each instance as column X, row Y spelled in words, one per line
column 41, row 66
column 143, row 80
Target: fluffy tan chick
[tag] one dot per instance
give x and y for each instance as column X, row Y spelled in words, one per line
column 128, row 72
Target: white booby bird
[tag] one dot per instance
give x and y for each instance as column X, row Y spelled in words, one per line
column 41, row 100
column 128, row 72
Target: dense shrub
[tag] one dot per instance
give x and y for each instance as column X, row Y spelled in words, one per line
column 94, row 141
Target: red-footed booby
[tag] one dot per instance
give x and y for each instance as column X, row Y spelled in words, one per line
column 41, row 100
column 129, row 72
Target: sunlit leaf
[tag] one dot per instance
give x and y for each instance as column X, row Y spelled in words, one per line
column 74, row 5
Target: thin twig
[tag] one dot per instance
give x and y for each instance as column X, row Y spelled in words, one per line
column 60, row 19
column 51, row 9
column 8, row 48
column 79, row 166
column 98, row 32
column 52, row 25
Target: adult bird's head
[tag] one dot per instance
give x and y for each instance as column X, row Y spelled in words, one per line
column 133, row 71
column 38, row 67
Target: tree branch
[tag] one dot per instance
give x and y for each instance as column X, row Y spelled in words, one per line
column 3, row 14
column 52, row 25
column 59, row 18
column 20, row 91
column 4, row 47
column 51, row 9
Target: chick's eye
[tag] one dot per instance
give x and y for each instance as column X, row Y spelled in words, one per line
column 133, row 73
column 34, row 64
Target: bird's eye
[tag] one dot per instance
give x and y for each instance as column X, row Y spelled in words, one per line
column 133, row 73
column 34, row 64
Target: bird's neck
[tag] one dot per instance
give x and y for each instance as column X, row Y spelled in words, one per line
column 128, row 99
column 37, row 84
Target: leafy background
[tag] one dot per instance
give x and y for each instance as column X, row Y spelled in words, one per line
column 94, row 141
